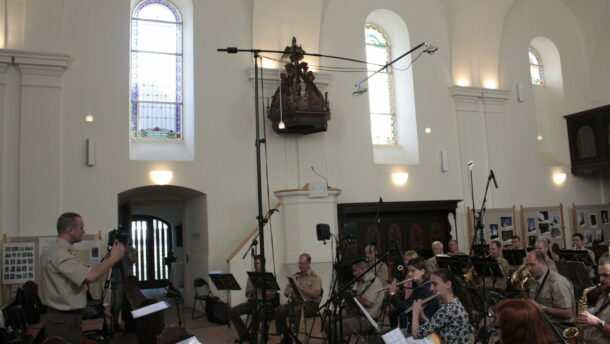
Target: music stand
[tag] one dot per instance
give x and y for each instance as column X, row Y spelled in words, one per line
column 266, row 279
column 576, row 273
column 366, row 314
column 576, row 256
column 480, row 250
column 455, row 264
column 514, row 257
column 224, row 282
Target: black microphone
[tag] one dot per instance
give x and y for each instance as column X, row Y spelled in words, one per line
column 378, row 219
column 470, row 163
column 360, row 91
column 321, row 176
column 402, row 256
column 493, row 176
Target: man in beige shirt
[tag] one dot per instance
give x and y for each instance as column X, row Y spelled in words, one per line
column 381, row 270
column 310, row 287
column 64, row 279
column 542, row 245
column 551, row 292
column 495, row 252
column 437, row 248
column 597, row 329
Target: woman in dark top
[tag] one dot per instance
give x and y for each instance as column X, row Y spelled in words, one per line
column 450, row 321
column 418, row 289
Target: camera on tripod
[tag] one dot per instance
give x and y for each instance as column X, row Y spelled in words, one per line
column 119, row 235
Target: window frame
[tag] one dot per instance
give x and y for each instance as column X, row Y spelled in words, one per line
column 539, row 65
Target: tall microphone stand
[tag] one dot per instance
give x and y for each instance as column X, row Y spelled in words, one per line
column 261, row 221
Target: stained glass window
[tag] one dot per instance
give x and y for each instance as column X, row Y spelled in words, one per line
column 156, row 71
column 381, row 90
column 536, row 70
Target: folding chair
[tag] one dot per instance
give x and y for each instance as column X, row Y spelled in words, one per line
column 202, row 298
column 317, row 315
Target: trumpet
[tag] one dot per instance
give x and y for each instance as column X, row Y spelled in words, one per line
column 426, row 300
column 398, row 283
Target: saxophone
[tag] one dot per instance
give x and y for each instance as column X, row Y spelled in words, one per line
column 576, row 334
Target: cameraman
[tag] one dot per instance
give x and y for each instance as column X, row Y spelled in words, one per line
column 119, row 273
column 64, row 279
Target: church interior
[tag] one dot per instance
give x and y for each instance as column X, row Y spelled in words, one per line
column 388, row 121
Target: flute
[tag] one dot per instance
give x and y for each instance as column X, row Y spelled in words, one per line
column 426, row 300
column 398, row 283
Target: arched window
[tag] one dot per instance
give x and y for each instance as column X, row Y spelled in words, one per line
column 156, row 71
column 536, row 69
column 381, row 87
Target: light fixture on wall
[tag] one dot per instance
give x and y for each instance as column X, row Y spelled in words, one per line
column 89, row 118
column 491, row 84
column 539, row 138
column 463, row 82
column 161, row 177
column 559, row 178
column 428, row 130
column 400, row 178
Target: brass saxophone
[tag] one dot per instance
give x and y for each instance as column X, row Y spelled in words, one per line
column 576, row 334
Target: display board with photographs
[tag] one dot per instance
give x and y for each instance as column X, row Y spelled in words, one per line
column 543, row 222
column 500, row 224
column 592, row 222
column 18, row 259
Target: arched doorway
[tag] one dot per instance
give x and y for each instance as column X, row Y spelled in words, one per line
column 159, row 219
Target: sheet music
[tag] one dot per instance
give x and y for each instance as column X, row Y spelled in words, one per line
column 192, row 340
column 367, row 315
column 155, row 307
column 394, row 337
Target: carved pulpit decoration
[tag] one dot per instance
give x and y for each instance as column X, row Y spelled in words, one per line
column 304, row 110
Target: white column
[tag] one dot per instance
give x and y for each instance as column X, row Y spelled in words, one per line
column 3, row 145
column 40, row 158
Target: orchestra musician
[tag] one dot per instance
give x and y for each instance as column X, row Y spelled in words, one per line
column 516, row 242
column 310, row 286
column 578, row 242
column 381, row 269
column 454, row 250
column 65, row 279
column 519, row 321
column 495, row 252
column 451, row 320
column 542, row 245
column 366, row 293
column 597, row 329
column 254, row 296
column 550, row 291
column 437, row 248
column 417, row 289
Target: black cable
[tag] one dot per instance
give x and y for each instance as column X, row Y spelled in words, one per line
column 267, row 168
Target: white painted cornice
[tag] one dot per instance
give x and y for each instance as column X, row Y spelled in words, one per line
column 479, row 92
column 35, row 58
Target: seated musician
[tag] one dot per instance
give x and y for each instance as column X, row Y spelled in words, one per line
column 597, row 330
column 254, row 296
column 437, row 248
column 516, row 243
column 495, row 252
column 365, row 290
column 578, row 243
column 381, row 269
column 450, row 321
column 417, row 289
column 454, row 250
column 542, row 245
column 519, row 321
column 550, row 291
column 310, row 286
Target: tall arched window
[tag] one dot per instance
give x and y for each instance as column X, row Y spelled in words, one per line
column 381, row 87
column 536, row 69
column 156, row 71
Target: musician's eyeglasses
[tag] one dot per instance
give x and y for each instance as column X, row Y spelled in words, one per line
column 606, row 275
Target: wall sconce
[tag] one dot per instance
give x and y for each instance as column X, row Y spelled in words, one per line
column 490, row 84
column 400, row 178
column 559, row 178
column 161, row 177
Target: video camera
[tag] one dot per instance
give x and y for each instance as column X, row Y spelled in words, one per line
column 119, row 235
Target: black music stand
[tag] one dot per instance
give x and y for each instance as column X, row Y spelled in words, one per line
column 576, row 256
column 480, row 250
column 224, row 281
column 260, row 281
column 576, row 273
column 295, row 290
column 514, row 257
column 455, row 264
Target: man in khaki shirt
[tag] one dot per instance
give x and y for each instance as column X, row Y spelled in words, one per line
column 542, row 245
column 552, row 292
column 381, row 270
column 597, row 329
column 310, row 287
column 495, row 252
column 437, row 248
column 64, row 279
